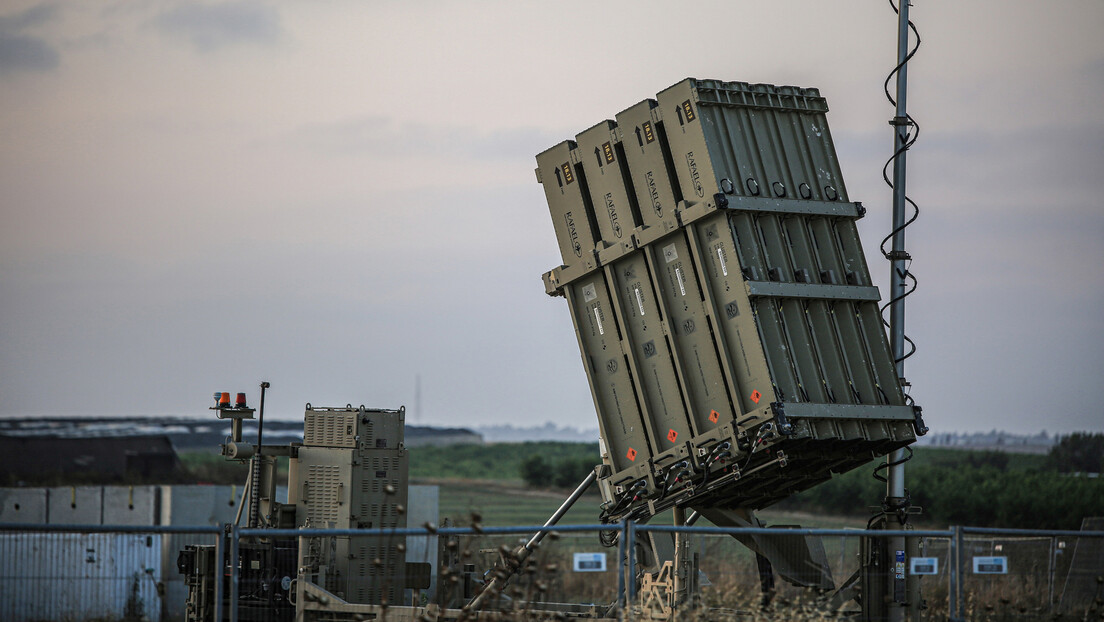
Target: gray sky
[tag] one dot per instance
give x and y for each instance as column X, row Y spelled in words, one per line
column 337, row 196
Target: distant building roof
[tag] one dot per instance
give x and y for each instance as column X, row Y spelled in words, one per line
column 35, row 458
column 200, row 434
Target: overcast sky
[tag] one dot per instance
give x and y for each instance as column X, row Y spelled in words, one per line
column 339, row 196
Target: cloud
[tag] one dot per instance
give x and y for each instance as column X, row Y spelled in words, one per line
column 23, row 52
column 33, row 16
column 209, row 27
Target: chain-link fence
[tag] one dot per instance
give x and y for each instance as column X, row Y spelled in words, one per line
column 100, row 573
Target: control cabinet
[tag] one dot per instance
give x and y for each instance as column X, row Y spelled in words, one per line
column 352, row 473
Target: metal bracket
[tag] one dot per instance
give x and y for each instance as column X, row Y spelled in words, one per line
column 895, row 255
column 820, row 291
column 788, row 206
column 657, row 593
column 901, row 121
column 921, row 428
column 784, row 426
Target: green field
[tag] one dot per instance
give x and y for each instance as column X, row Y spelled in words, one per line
column 503, row 504
column 493, row 461
column 952, row 486
column 500, row 504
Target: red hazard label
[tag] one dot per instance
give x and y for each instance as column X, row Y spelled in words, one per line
column 632, row 454
column 755, row 395
column 714, row 416
column 672, row 435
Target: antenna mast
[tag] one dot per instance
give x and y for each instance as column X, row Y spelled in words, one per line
column 901, row 285
column 895, row 490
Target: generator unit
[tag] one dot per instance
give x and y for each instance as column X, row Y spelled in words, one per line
column 728, row 326
column 352, row 473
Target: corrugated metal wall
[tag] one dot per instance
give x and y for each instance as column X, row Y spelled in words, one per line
column 66, row 576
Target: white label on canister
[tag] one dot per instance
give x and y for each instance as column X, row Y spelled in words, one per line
column 682, row 286
column 720, row 255
column 589, row 292
column 639, row 300
column 598, row 318
column 669, row 253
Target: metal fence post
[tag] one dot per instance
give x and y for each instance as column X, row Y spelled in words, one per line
column 630, row 572
column 234, row 563
column 955, row 604
column 220, row 557
column 621, row 571
column 1051, row 569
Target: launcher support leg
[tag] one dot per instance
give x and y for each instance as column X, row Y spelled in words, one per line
column 766, row 580
column 522, row 553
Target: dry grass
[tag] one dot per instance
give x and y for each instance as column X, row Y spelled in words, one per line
column 734, row 593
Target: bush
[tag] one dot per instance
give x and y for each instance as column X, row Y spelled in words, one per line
column 571, row 473
column 979, row 489
column 1079, row 452
column 536, row 472
column 565, row 473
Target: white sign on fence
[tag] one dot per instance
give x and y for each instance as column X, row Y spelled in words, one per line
column 590, row 562
column 923, row 565
column 990, row 565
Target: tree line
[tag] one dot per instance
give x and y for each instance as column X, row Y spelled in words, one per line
column 951, row 486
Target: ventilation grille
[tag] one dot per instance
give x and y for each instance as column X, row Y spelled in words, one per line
column 368, row 435
column 321, row 494
column 329, row 429
column 385, row 463
column 376, row 564
column 383, row 515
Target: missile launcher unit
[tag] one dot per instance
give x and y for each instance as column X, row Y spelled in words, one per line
column 726, row 318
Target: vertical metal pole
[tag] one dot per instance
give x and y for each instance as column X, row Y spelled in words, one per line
column 681, row 577
column 621, row 563
column 255, row 466
column 912, row 582
column 952, row 572
column 895, row 486
column 260, row 416
column 1050, row 573
column 234, row 563
column 220, row 566
column 630, row 569
column 956, row 612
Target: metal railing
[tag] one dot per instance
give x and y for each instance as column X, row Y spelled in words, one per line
column 979, row 573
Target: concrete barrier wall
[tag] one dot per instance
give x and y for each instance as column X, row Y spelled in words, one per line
column 22, row 505
column 74, row 505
